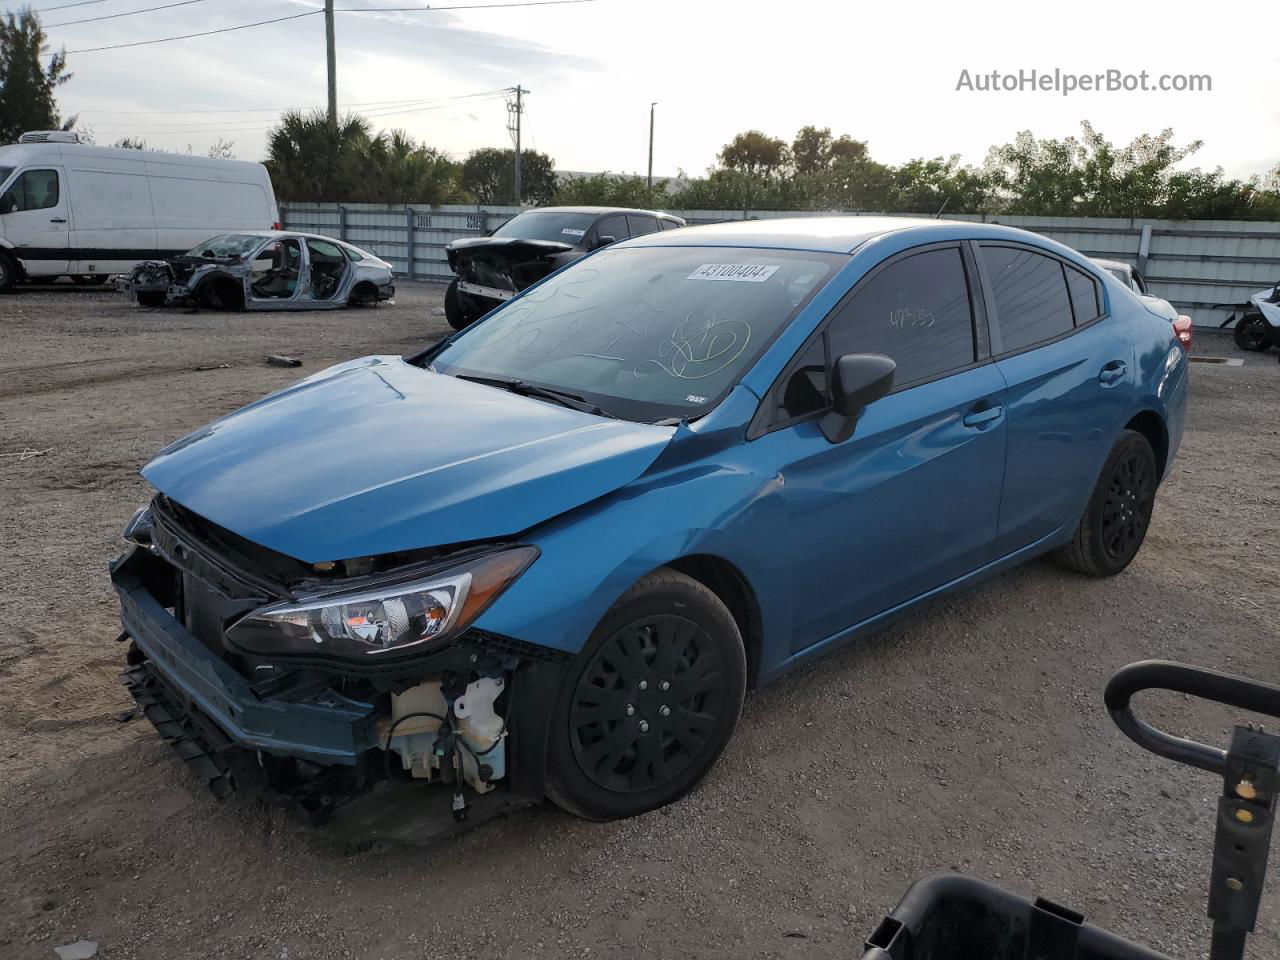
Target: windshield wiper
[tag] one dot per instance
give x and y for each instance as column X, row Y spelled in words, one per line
column 524, row 389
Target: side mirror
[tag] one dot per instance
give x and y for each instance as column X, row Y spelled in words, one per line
column 857, row 379
column 603, row 242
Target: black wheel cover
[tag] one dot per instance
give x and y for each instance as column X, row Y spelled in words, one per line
column 647, row 703
column 1126, row 511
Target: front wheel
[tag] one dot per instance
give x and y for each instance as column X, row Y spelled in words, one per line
column 649, row 704
column 8, row 273
column 1252, row 333
column 150, row 298
column 1115, row 521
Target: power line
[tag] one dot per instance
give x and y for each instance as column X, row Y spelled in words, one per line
column 80, row 3
column 233, row 128
column 283, row 109
column 203, row 33
column 312, row 13
column 469, row 6
column 127, row 13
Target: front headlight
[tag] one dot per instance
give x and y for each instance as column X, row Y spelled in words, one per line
column 386, row 620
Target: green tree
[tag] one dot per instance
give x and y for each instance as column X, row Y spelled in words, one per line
column 311, row 159
column 612, row 190
column 400, row 170
column 755, row 154
column 27, row 83
column 489, row 176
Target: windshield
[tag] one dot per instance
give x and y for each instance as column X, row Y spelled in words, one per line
column 650, row 333
column 227, row 245
column 547, row 225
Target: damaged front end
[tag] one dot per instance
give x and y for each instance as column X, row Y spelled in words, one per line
column 195, row 281
column 325, row 683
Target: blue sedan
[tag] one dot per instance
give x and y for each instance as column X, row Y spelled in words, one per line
column 548, row 555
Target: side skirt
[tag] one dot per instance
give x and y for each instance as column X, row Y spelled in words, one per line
column 893, row 614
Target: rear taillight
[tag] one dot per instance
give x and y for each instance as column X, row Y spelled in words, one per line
column 1182, row 330
column 276, row 226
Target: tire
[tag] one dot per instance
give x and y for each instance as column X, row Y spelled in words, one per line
column 1252, row 333
column 150, row 298
column 621, row 742
column 8, row 273
column 90, row 279
column 1116, row 519
column 453, row 311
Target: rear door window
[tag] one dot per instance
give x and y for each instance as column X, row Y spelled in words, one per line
column 917, row 311
column 1031, row 299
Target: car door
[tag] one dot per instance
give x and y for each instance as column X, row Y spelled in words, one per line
column 1070, row 375
column 640, row 224
column 910, row 501
column 33, row 211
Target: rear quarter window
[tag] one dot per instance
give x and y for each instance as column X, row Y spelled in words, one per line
column 1086, row 301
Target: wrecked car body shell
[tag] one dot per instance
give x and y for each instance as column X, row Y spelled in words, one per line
column 264, row 270
column 491, row 270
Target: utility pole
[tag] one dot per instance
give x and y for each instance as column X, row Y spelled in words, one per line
column 332, row 59
column 515, row 109
column 649, row 181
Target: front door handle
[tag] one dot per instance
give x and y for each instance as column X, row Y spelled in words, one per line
column 1113, row 372
column 57, row 220
column 979, row 418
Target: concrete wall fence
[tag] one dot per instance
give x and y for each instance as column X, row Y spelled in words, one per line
column 1206, row 268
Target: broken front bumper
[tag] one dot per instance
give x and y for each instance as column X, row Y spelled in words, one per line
column 203, row 686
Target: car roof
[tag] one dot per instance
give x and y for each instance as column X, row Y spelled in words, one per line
column 269, row 234
column 598, row 210
column 1111, row 264
column 827, row 234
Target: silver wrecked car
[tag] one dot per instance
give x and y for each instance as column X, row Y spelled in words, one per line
column 263, row 270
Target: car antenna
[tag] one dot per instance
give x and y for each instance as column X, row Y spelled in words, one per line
column 941, row 208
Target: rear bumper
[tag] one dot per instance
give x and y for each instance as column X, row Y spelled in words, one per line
column 206, row 689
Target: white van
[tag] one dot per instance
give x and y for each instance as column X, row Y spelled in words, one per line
column 71, row 209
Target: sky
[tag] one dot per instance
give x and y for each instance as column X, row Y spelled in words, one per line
column 886, row 73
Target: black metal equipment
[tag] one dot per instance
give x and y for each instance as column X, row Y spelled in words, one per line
column 954, row 917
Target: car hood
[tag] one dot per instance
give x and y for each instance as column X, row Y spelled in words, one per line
column 375, row 456
column 511, row 248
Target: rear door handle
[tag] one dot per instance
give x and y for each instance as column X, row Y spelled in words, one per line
column 978, row 418
column 1113, row 372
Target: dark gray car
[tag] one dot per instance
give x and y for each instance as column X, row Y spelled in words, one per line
column 491, row 270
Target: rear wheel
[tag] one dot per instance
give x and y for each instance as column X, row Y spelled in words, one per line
column 150, row 298
column 1252, row 333
column 453, row 312
column 1115, row 522
column 647, row 708
column 8, row 273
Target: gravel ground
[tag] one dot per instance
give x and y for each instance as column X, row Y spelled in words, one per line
column 970, row 737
